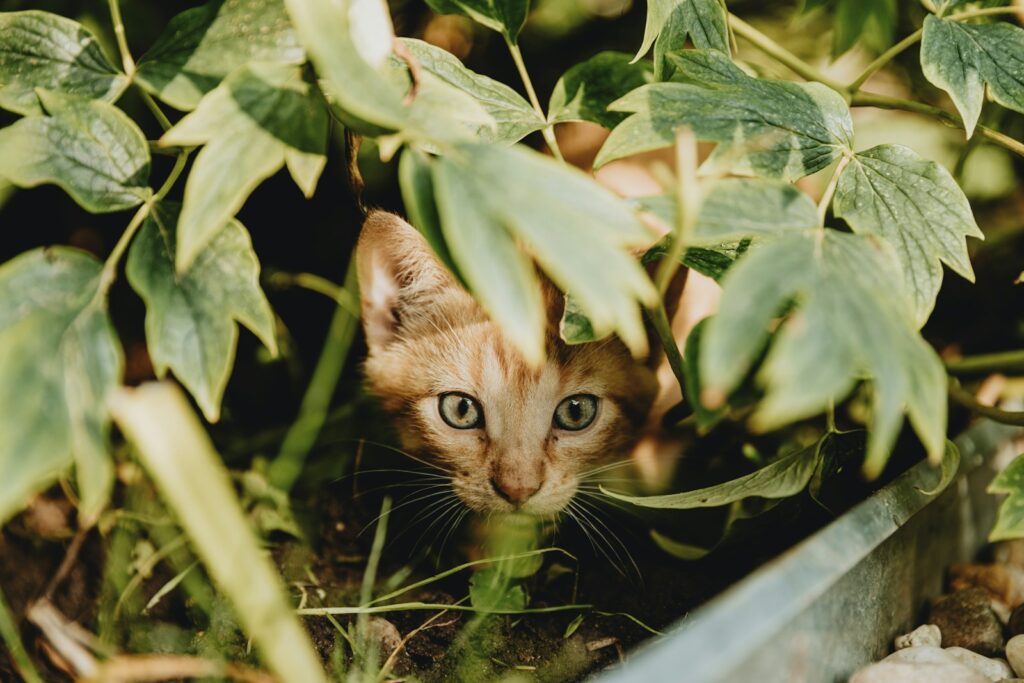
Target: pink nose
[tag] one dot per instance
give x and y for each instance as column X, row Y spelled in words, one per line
column 515, row 491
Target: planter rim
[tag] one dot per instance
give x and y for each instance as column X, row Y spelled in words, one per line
column 705, row 645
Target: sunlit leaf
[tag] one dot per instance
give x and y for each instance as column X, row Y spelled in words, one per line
column 762, row 127
column 575, row 327
column 510, row 116
column 504, row 16
column 917, row 206
column 491, row 590
column 191, row 316
column 735, row 208
column 43, row 50
column 555, row 211
column 193, row 481
column 1010, row 521
column 782, row 478
column 259, row 119
column 964, row 58
column 350, row 43
column 672, row 22
column 584, row 92
column 850, row 320
column 89, row 148
column 59, row 361
column 202, row 45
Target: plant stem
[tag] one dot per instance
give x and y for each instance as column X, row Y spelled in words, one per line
column 884, row 59
column 687, row 197
column 830, row 189
column 781, row 54
column 109, row 273
column 864, row 99
column 659, row 319
column 318, row 284
column 548, row 130
column 172, row 177
column 1004, row 361
column 9, row 632
column 370, row 577
column 966, row 399
column 161, row 118
column 302, row 435
column 122, row 39
column 983, row 12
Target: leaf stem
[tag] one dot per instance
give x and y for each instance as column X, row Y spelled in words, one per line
column 122, row 39
column 1003, row 361
column 161, row 117
column 781, row 54
column 687, row 197
column 663, row 328
column 109, row 273
column 830, row 189
column 315, row 283
column 865, row 99
column 548, row 130
column 884, row 59
column 966, row 399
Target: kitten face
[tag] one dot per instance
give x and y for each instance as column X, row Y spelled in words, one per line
column 513, row 436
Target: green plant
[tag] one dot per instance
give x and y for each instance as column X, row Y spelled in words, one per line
column 262, row 82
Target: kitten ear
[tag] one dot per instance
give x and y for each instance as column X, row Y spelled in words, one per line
column 400, row 278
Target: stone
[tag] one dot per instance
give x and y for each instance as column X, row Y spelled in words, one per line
column 966, row 620
column 992, row 668
column 1015, row 653
column 908, row 672
column 1003, row 582
column 929, row 634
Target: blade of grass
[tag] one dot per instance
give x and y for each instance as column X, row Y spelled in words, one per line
column 302, row 435
column 191, row 478
column 9, row 632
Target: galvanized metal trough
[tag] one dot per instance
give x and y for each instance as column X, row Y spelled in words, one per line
column 835, row 601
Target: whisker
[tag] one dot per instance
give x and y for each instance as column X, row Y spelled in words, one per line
column 405, row 503
column 399, row 451
column 596, row 518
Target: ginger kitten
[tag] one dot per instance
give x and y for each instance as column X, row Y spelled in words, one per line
column 513, row 437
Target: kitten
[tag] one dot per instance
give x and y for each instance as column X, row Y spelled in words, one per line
column 513, row 437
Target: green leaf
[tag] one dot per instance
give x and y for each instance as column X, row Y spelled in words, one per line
column 963, row 58
column 504, row 16
column 579, row 233
column 191, row 315
column 261, row 118
column 491, row 590
column 202, row 45
column 785, row 477
column 350, row 43
column 849, row 320
column 736, row 208
column 871, row 22
column 194, row 483
column 706, row 417
column 671, row 22
column 89, row 148
column 711, row 261
column 417, row 185
column 43, row 50
column 762, row 127
column 510, row 117
column 950, row 467
column 584, row 92
column 575, row 327
column 1010, row 521
column 917, row 206
column 59, row 361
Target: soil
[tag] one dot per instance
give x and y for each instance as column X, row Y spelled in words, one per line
column 627, row 581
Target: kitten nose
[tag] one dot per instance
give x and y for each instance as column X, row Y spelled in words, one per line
column 515, row 491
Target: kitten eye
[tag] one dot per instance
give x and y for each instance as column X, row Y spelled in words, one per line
column 576, row 412
column 460, row 411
